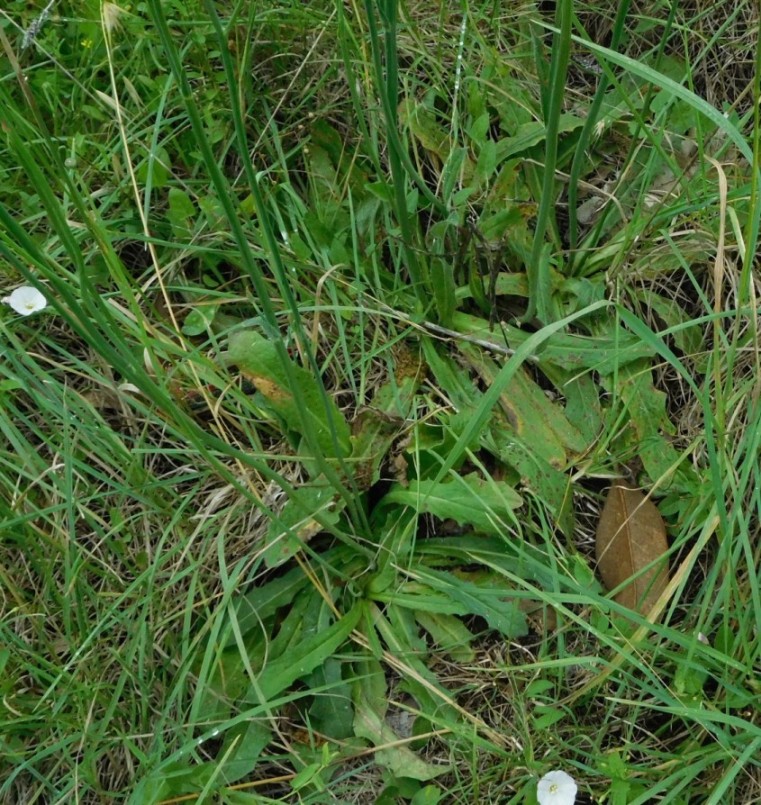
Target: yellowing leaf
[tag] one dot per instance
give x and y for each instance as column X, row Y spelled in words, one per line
column 312, row 412
column 532, row 416
column 631, row 548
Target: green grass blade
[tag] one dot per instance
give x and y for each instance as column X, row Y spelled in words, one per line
column 580, row 155
column 539, row 302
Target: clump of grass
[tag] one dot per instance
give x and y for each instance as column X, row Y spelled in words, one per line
column 303, row 461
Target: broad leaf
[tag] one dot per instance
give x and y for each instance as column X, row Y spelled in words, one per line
column 501, row 613
column 431, row 135
column 505, row 285
column 531, row 134
column 582, row 400
column 297, row 622
column 417, row 597
column 371, row 679
column 548, row 484
column 181, row 213
column 297, row 523
column 631, row 548
column 533, row 417
column 449, row 633
column 398, row 758
column 311, row 653
column 648, row 421
column 442, row 282
column 263, row 602
column 317, row 414
column 688, row 339
column 516, row 560
column 331, row 712
column 378, row 426
column 199, row 320
column 638, row 68
column 603, row 353
column 249, row 739
column 157, row 166
column 484, row 504
column 432, row 697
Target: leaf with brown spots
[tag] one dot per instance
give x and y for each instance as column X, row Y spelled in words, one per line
column 305, row 408
column 631, row 547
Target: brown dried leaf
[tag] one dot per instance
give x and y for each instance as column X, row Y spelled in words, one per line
column 631, row 535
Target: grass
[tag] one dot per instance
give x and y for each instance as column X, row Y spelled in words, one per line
column 355, row 311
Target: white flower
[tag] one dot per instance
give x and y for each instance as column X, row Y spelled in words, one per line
column 26, row 300
column 556, row 788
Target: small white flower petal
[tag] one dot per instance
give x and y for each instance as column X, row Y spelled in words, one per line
column 556, row 788
column 26, row 300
